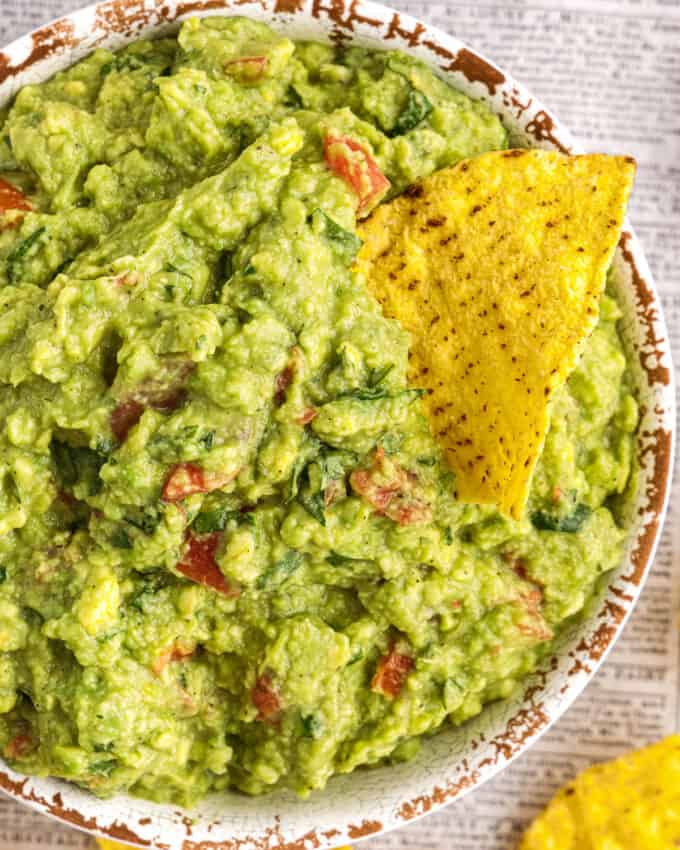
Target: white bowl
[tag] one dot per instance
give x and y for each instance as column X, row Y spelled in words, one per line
column 456, row 760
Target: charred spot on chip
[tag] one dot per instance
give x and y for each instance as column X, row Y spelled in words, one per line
column 415, row 191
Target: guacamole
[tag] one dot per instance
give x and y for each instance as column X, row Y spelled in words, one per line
column 230, row 554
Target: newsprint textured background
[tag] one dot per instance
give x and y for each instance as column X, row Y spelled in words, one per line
column 611, row 71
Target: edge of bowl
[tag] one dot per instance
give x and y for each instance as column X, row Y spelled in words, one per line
column 546, row 693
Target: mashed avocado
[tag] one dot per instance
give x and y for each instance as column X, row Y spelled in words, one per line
column 229, row 553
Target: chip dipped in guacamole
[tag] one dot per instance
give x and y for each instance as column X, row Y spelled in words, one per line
column 231, row 550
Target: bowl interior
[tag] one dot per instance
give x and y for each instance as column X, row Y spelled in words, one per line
column 455, row 760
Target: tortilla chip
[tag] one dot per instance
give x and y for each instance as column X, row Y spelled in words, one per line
column 631, row 802
column 496, row 267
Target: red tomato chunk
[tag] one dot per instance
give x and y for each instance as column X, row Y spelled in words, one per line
column 392, row 490
column 12, row 198
column 265, row 698
column 393, row 668
column 19, row 747
column 306, row 416
column 185, row 479
column 124, row 417
column 281, row 383
column 170, row 653
column 198, row 563
column 350, row 161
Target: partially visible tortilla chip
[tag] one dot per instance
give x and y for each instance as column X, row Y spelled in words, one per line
column 496, row 267
column 633, row 802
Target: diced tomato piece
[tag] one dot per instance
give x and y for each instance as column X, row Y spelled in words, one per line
column 391, row 673
column 19, row 747
column 246, row 69
column 124, row 417
column 531, row 600
column 198, row 563
column 283, row 380
column 170, row 653
column 163, row 392
column 517, row 565
column 392, row 490
column 265, row 698
column 12, row 198
column 534, row 600
column 128, row 279
column 185, row 479
column 350, row 161
column 379, row 497
column 67, row 499
column 522, row 570
column 556, row 494
column 536, row 626
column 306, row 416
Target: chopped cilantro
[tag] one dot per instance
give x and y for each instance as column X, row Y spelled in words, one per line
column 544, row 521
column 335, row 559
column 417, row 108
column 120, row 539
column 345, row 243
column 103, row 768
column 173, row 269
column 312, row 726
column 209, row 521
column 146, row 519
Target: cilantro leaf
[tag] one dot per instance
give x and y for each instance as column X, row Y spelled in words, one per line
column 345, row 243
column 544, row 521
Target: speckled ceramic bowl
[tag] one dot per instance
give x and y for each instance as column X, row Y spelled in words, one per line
column 457, row 760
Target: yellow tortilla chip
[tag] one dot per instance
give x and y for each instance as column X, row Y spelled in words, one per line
column 496, row 267
column 632, row 803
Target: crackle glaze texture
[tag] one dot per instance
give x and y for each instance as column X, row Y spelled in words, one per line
column 458, row 760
